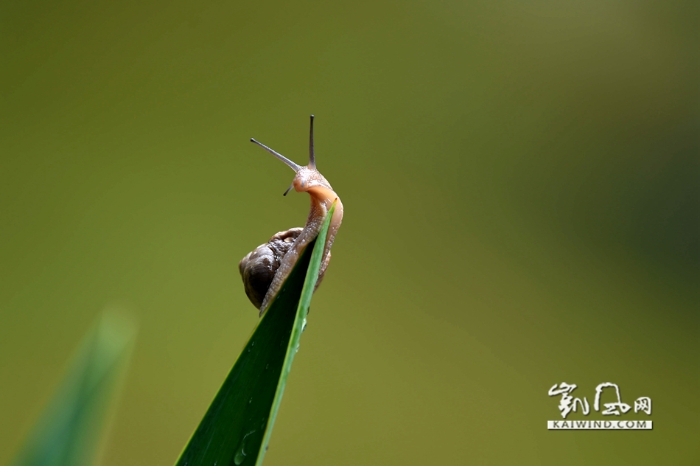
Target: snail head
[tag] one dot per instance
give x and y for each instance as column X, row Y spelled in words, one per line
column 307, row 178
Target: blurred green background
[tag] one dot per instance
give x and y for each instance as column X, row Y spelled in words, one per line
column 520, row 182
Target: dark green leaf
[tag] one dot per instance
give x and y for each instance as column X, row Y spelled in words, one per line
column 237, row 426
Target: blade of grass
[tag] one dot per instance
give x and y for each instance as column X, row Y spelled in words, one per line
column 299, row 324
column 237, row 426
column 68, row 432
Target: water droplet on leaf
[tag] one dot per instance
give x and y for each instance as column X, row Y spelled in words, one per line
column 240, row 455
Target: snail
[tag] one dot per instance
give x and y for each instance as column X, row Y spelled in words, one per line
column 264, row 269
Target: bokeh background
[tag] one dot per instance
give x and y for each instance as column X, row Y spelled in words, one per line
column 520, row 182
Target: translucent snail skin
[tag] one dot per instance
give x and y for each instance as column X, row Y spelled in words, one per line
column 265, row 269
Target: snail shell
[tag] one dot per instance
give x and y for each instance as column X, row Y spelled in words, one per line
column 258, row 267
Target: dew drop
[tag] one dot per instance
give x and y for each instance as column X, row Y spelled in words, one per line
column 240, row 455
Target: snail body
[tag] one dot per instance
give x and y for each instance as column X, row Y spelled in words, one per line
column 265, row 269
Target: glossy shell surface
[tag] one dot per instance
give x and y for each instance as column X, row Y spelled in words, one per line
column 259, row 266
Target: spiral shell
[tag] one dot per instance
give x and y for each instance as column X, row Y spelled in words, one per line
column 259, row 266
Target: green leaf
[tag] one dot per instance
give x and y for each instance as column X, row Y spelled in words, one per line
column 68, row 432
column 237, row 426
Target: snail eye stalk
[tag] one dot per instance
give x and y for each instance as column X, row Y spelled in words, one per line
column 284, row 159
column 312, row 158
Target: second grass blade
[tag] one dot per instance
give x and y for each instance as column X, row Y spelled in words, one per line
column 69, row 431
